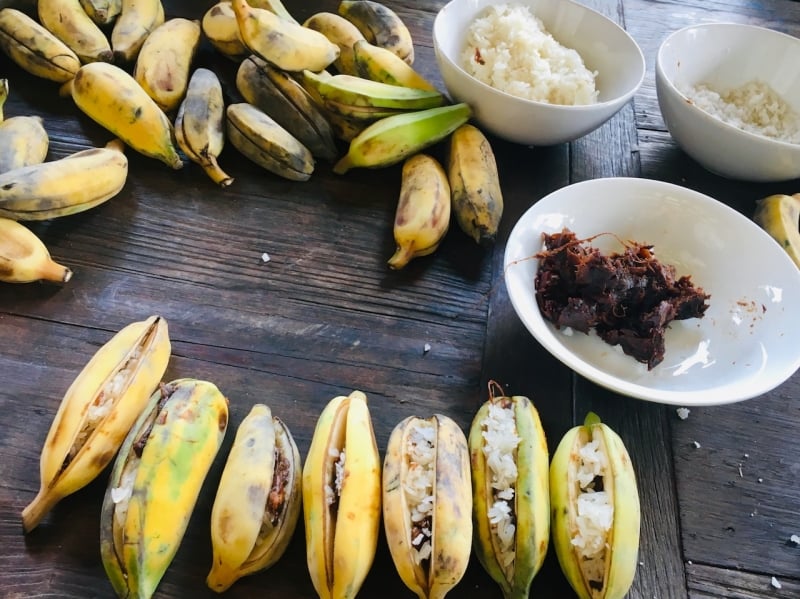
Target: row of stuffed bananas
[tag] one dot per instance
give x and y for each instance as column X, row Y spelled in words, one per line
column 436, row 489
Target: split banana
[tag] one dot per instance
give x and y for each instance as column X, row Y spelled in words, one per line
column 258, row 137
column 200, row 124
column 595, row 510
column 115, row 100
column 510, row 486
column 24, row 258
column 342, row 497
column 475, row 184
column 286, row 44
column 258, row 501
column 97, row 411
column 779, row 215
column 33, row 48
column 23, row 142
column 341, row 32
column 380, row 25
column 392, row 139
column 65, row 186
column 67, row 20
column 427, row 504
column 379, row 64
column 136, row 20
column 422, row 217
column 281, row 97
column 102, row 12
column 165, row 60
column 221, row 28
column 155, row 483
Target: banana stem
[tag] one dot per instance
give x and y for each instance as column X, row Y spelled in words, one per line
column 53, row 271
column 37, row 509
column 214, row 171
column 344, row 165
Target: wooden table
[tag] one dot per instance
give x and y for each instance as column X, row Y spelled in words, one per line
column 719, row 492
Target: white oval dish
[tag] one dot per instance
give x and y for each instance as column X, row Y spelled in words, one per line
column 747, row 342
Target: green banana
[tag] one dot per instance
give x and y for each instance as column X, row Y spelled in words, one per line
column 258, row 137
column 380, row 25
column 280, row 96
column 392, row 139
column 475, row 184
column 258, row 500
column 286, row 44
column 200, row 124
column 155, row 483
column 34, row 48
column 779, row 215
column 510, row 486
column 595, row 509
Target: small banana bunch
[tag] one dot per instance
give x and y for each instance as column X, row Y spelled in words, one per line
column 510, row 486
column 596, row 513
column 422, row 217
column 23, row 139
column 427, row 504
column 97, row 411
column 257, row 505
column 342, row 497
column 24, row 258
column 65, row 186
column 156, row 480
column 779, row 215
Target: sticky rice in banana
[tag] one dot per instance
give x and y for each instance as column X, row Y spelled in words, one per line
column 419, row 486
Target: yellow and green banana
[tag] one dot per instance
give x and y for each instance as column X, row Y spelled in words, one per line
column 379, row 64
column 510, row 486
column 155, row 482
column 258, row 501
column 97, row 412
column 342, row 497
column 779, row 215
column 427, row 504
column 594, row 502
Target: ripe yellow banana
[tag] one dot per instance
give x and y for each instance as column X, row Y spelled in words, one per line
column 595, row 509
column 155, row 483
column 279, row 95
column 510, row 486
column 341, row 32
column 135, row 22
column 67, row 20
column 427, row 504
column 24, row 258
column 392, row 139
column 258, row 500
column 33, row 48
column 258, row 137
column 98, row 410
column 113, row 99
column 165, row 60
column 423, row 211
column 342, row 497
column 102, row 12
column 379, row 64
column 380, row 25
column 475, row 184
column 65, row 186
column 286, row 44
column 23, row 142
column 200, row 124
column 779, row 215
column 221, row 28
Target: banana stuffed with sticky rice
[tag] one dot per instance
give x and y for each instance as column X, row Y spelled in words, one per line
column 258, row 500
column 595, row 511
column 155, row 483
column 511, row 501
column 342, row 497
column 427, row 504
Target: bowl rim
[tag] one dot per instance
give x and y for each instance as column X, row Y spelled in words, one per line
column 661, row 74
column 485, row 87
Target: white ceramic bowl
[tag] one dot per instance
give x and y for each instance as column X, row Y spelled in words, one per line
column 743, row 346
column 724, row 56
column 604, row 46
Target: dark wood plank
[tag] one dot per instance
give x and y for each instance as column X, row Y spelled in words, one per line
column 710, row 583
